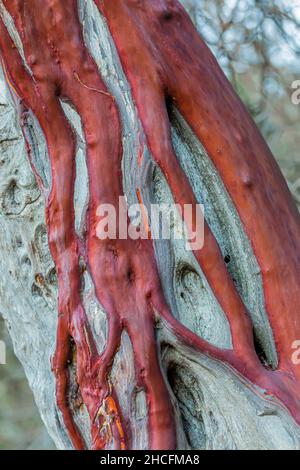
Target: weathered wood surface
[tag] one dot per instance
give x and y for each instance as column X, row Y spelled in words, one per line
column 214, row 406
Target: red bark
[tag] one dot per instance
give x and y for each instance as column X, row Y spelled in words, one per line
column 164, row 59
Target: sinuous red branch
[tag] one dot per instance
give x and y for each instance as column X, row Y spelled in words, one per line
column 163, row 58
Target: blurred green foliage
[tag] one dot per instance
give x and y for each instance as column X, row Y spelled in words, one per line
column 20, row 424
column 257, row 43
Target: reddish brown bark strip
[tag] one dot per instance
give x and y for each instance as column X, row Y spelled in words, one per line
column 55, row 53
column 163, row 58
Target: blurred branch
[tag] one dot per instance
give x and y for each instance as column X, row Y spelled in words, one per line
column 257, row 43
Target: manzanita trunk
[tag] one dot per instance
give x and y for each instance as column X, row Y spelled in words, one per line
column 156, row 347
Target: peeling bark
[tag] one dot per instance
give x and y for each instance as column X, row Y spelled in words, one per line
column 155, row 347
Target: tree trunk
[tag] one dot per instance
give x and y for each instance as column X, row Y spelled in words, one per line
column 142, row 344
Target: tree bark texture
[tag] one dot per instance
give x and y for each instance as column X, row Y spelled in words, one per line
column 142, row 344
